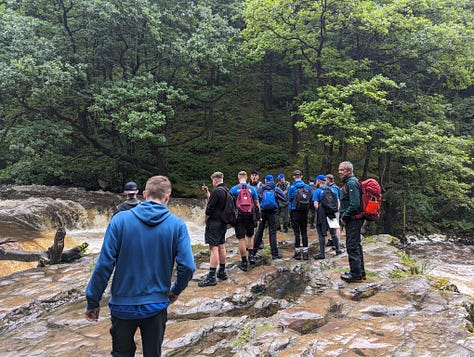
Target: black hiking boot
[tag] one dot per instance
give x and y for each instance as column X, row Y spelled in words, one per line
column 297, row 256
column 244, row 266
column 348, row 277
column 209, row 281
column 305, row 256
column 222, row 275
column 251, row 257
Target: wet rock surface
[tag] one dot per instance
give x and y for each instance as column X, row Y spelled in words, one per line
column 286, row 308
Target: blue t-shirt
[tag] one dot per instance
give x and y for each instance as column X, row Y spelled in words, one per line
column 130, row 312
column 318, row 194
column 235, row 190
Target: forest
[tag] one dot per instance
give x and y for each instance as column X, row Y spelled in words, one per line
column 95, row 93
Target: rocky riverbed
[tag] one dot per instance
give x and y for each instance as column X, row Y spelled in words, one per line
column 280, row 308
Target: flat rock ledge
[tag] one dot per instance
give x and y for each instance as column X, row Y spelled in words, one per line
column 280, row 308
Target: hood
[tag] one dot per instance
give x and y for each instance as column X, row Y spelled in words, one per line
column 299, row 184
column 151, row 213
column 269, row 186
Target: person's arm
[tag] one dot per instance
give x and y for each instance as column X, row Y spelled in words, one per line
column 315, row 199
column 185, row 263
column 102, row 271
column 280, row 194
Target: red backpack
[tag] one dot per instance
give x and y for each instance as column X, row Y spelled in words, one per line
column 371, row 199
column 244, row 201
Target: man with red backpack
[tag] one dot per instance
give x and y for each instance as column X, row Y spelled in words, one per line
column 247, row 204
column 351, row 207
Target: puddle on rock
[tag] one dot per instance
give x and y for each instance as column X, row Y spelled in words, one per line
column 288, row 286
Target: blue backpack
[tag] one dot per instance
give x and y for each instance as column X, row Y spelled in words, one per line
column 268, row 202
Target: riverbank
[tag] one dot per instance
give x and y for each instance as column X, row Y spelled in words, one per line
column 286, row 308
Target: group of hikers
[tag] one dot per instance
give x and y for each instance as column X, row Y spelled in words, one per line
column 279, row 206
column 144, row 241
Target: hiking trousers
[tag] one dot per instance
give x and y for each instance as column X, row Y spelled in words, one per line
column 354, row 247
column 269, row 217
column 152, row 330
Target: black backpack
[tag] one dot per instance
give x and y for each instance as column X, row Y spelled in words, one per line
column 329, row 203
column 302, row 199
column 229, row 212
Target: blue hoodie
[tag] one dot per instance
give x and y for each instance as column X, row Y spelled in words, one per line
column 292, row 192
column 142, row 245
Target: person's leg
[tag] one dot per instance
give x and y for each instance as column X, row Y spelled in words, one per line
column 213, row 262
column 278, row 219
column 312, row 215
column 242, row 248
column 240, row 230
column 354, row 247
column 258, row 239
column 286, row 218
column 335, row 240
column 296, row 231
column 322, row 244
column 152, row 330
column 304, row 229
column 271, row 216
column 123, row 332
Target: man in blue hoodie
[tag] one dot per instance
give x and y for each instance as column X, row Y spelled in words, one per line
column 141, row 246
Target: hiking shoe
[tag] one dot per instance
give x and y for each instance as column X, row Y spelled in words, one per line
column 244, row 266
column 277, row 256
column 348, row 277
column 318, row 256
column 330, row 243
column 207, row 282
column 261, row 246
column 312, row 226
column 285, row 230
column 222, row 275
column 305, row 256
column 338, row 252
column 251, row 258
column 297, row 256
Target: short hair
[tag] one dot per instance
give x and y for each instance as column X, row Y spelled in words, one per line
column 217, row 175
column 242, row 174
column 348, row 165
column 157, row 187
column 330, row 177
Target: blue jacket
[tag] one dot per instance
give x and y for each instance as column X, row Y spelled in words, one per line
column 142, row 245
column 292, row 192
column 279, row 194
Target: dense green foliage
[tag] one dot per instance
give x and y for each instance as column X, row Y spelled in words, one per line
column 94, row 93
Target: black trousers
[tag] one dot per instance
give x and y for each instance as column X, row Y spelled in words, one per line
column 152, row 330
column 299, row 222
column 354, row 248
column 269, row 217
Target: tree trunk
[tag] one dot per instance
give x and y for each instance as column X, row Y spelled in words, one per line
column 53, row 255
column 267, row 83
column 298, row 87
column 55, row 251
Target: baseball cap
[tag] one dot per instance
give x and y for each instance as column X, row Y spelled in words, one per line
column 130, row 188
column 320, row 177
column 297, row 173
column 280, row 176
column 269, row 178
column 254, row 172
